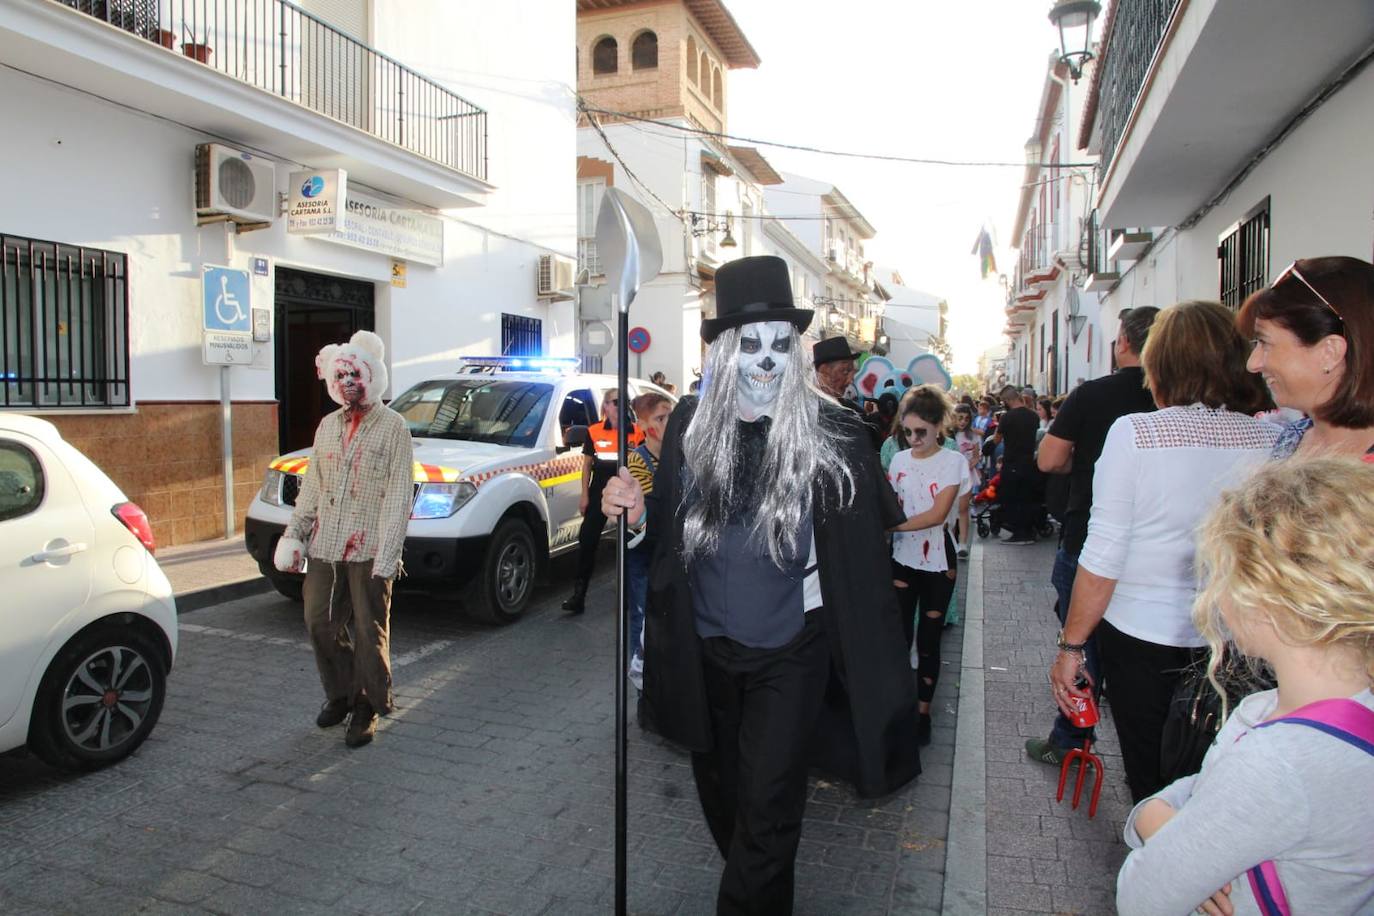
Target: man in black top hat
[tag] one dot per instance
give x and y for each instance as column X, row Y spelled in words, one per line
column 772, row 641
column 835, row 371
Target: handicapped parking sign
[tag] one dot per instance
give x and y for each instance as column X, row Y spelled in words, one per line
column 226, row 300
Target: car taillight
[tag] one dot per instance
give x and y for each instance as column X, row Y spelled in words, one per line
column 136, row 521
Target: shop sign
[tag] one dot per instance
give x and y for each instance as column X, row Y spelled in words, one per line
column 379, row 227
column 317, row 201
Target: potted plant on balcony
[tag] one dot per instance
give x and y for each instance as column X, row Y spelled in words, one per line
column 197, row 51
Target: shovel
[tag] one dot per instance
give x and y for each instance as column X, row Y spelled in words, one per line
column 627, row 240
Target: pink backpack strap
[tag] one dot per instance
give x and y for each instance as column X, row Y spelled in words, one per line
column 1344, row 719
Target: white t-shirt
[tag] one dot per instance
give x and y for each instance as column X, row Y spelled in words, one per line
column 916, row 482
column 1158, row 476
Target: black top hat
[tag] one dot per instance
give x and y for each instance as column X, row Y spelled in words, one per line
column 750, row 290
column 832, row 349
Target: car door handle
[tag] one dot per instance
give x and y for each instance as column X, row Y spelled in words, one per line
column 57, row 553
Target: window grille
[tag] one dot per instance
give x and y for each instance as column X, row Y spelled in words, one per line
column 64, row 326
column 644, row 51
column 605, row 56
column 521, row 336
column 1243, row 256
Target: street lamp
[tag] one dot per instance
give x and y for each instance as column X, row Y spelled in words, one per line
column 1073, row 17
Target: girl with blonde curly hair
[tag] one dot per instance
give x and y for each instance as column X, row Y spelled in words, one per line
column 1281, row 817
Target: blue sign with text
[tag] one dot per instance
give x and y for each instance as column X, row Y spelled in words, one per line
column 226, row 294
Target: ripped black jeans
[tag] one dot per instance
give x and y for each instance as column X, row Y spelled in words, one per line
column 923, row 605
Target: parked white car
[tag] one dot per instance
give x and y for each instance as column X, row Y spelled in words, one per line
column 88, row 628
column 498, row 479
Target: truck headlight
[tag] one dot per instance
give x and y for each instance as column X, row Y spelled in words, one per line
column 440, row 500
column 271, row 488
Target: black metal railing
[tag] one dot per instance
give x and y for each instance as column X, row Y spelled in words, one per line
column 64, row 325
column 280, row 48
column 1137, row 29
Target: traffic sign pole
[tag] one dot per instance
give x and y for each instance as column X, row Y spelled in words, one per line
column 227, row 437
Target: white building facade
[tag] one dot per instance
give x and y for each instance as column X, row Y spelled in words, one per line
column 1054, row 320
column 458, row 178
column 914, row 322
column 1225, row 155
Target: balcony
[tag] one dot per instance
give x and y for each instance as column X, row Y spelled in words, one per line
column 264, row 74
column 1184, row 100
column 588, row 259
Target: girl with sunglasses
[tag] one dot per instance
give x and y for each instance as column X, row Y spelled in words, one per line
column 1312, row 333
column 926, row 479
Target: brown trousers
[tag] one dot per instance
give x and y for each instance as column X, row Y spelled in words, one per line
column 347, row 614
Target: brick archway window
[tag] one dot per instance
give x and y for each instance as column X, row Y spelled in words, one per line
column 605, row 56
column 644, row 51
column 693, row 74
column 717, row 90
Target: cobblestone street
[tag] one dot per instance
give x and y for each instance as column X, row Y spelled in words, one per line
column 489, row 791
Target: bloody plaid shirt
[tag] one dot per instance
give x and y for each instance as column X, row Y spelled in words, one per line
column 355, row 501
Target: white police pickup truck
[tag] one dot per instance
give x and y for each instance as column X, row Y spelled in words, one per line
column 497, row 481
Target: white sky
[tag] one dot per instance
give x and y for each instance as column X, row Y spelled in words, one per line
column 952, row 80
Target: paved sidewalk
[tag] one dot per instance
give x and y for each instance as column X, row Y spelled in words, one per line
column 211, row 572
column 1042, row 856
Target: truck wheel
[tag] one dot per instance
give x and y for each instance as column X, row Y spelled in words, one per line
column 503, row 586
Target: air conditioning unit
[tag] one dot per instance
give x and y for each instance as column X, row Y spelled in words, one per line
column 235, row 185
column 555, row 277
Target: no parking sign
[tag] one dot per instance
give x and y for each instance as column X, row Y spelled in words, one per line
column 638, row 340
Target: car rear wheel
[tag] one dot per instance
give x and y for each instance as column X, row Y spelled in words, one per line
column 99, row 699
column 502, row 589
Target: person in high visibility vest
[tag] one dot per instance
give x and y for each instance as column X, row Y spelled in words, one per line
column 598, row 467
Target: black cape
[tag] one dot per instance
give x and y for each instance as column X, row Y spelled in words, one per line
column 867, row 732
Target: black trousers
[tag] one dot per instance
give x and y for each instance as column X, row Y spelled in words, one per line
column 1141, row 677
column 927, row 593
column 764, row 705
column 1019, row 496
column 593, row 524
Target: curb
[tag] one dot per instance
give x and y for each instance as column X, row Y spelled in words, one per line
column 218, row 594
column 966, row 848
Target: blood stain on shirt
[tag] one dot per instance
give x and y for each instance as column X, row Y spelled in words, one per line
column 354, row 544
column 925, row 550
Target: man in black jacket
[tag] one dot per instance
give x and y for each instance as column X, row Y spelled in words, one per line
column 1020, row 488
column 772, row 640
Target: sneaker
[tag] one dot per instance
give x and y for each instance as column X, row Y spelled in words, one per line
column 923, row 729
column 1042, row 751
column 332, row 713
column 363, row 726
column 962, row 552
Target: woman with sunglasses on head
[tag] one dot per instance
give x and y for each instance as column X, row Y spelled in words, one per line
column 926, row 479
column 1312, row 333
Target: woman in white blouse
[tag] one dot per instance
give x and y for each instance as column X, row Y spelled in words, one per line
column 1158, row 475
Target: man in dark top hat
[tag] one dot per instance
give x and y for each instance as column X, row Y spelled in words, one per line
column 772, row 641
column 835, row 371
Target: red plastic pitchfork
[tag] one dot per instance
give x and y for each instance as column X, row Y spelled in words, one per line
column 1085, row 716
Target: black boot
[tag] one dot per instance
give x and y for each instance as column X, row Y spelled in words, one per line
column 575, row 602
column 923, row 729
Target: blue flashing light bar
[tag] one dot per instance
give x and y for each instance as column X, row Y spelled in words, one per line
column 529, row 363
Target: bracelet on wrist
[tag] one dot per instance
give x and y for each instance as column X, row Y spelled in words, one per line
column 1062, row 643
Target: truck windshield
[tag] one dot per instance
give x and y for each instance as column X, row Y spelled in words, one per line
column 476, row 410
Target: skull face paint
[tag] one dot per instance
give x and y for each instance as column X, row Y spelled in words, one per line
column 763, row 358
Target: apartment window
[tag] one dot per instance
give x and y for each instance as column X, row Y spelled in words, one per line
column 746, row 227
column 717, row 90
column 605, row 56
column 644, row 51
column 1243, row 256
column 588, row 205
column 521, row 336
column 64, row 325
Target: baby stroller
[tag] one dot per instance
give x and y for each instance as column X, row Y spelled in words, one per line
column 986, row 512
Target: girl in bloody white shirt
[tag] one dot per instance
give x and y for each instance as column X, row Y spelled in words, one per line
column 926, row 479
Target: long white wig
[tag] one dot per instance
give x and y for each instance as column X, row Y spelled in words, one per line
column 799, row 451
